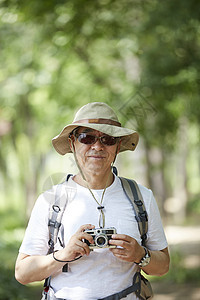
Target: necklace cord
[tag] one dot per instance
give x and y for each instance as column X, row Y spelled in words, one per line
column 100, row 207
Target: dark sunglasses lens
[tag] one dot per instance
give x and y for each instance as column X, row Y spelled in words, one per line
column 108, row 140
column 86, row 139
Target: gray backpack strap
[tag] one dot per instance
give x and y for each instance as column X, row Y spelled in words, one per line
column 55, row 214
column 55, row 217
column 131, row 289
column 134, row 195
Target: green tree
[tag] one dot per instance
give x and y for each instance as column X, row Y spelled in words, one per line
column 139, row 56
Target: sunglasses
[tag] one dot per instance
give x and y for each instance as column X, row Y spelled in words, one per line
column 89, row 139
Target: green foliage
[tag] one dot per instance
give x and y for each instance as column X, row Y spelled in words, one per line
column 170, row 62
column 12, row 222
column 11, row 219
column 10, row 289
column 178, row 273
column 194, row 205
column 141, row 57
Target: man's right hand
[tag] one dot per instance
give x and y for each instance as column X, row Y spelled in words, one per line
column 76, row 246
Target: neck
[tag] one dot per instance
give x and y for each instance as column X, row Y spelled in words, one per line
column 95, row 181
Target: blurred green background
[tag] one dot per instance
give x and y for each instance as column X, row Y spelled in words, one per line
column 142, row 58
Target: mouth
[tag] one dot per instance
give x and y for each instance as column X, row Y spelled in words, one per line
column 96, row 157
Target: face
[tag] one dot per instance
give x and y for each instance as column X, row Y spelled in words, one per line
column 95, row 158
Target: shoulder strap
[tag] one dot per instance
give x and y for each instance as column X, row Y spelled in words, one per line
column 55, row 216
column 134, row 195
column 56, row 213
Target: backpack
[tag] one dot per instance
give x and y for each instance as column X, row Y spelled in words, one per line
column 141, row 285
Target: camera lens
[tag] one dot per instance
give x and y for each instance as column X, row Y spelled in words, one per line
column 101, row 240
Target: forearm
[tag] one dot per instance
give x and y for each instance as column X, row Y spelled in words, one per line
column 35, row 268
column 159, row 263
column 128, row 249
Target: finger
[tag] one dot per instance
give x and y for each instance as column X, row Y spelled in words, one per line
column 88, row 237
column 122, row 237
column 81, row 236
column 118, row 251
column 79, row 251
column 120, row 254
column 120, row 243
column 86, row 248
column 84, row 227
column 82, row 248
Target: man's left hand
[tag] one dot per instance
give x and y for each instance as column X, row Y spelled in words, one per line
column 127, row 249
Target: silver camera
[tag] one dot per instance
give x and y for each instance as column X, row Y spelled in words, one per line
column 101, row 237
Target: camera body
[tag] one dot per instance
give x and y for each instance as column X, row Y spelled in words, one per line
column 101, row 237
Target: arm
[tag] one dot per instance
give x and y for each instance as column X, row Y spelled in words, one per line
column 35, row 267
column 38, row 267
column 131, row 251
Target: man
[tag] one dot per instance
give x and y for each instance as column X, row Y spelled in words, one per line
column 95, row 200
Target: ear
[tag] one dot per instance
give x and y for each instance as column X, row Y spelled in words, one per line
column 71, row 141
column 118, row 146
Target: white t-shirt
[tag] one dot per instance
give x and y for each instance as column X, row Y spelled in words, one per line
column 100, row 274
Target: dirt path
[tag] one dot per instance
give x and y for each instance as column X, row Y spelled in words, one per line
column 176, row 291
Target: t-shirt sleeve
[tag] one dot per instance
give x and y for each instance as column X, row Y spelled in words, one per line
column 156, row 239
column 36, row 237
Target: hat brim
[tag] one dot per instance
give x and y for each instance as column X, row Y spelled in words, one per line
column 129, row 138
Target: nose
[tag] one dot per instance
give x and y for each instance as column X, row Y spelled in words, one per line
column 98, row 145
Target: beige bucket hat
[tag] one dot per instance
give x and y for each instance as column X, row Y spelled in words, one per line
column 101, row 117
